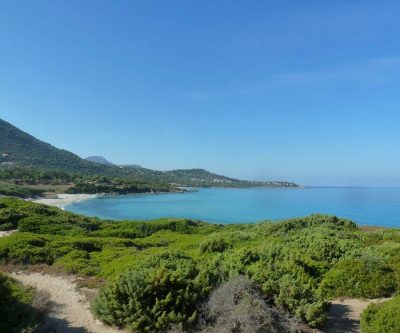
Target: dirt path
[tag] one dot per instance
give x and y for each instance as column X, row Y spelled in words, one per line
column 69, row 310
column 344, row 315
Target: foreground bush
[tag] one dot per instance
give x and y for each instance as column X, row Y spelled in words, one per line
column 367, row 277
column 16, row 313
column 382, row 318
column 290, row 280
column 166, row 289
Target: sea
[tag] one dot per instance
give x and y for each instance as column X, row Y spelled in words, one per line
column 365, row 206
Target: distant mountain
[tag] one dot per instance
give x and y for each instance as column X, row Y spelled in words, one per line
column 18, row 148
column 98, row 159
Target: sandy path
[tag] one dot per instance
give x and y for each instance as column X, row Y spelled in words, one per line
column 344, row 315
column 69, row 312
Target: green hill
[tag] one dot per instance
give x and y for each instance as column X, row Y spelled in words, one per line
column 20, row 149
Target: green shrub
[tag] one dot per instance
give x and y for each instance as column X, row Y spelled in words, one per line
column 138, row 229
column 164, row 290
column 74, row 262
column 382, row 318
column 214, row 244
column 312, row 221
column 395, row 264
column 20, row 191
column 367, row 277
column 25, row 248
column 16, row 313
column 9, row 219
column 326, row 244
column 290, row 280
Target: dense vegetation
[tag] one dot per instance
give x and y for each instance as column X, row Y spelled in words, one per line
column 18, row 148
column 31, row 176
column 166, row 289
column 382, row 318
column 25, row 182
column 16, row 312
column 117, row 186
column 20, row 191
column 172, row 265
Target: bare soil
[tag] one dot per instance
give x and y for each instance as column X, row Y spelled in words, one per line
column 344, row 315
column 69, row 305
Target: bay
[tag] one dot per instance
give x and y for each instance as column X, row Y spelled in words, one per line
column 366, row 206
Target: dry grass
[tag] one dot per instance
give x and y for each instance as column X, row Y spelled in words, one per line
column 238, row 307
column 41, row 302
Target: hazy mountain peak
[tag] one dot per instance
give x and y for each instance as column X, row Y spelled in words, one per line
column 98, row 159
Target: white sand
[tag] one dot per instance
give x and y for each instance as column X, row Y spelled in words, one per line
column 65, row 199
column 70, row 309
column 6, row 233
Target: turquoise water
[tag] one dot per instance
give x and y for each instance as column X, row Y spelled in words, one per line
column 367, row 206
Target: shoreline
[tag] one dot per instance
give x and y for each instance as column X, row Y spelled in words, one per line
column 63, row 200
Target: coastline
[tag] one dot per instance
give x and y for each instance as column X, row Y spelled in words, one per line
column 65, row 199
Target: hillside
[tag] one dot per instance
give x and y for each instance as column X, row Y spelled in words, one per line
column 22, row 149
column 18, row 148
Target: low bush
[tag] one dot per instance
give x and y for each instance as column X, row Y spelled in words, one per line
column 25, row 248
column 382, row 318
column 20, row 191
column 166, row 289
column 367, row 277
column 16, row 312
column 213, row 244
column 290, row 279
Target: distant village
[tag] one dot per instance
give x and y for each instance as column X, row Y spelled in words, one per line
column 6, row 163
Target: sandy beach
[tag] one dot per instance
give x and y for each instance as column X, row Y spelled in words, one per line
column 64, row 199
column 6, row 233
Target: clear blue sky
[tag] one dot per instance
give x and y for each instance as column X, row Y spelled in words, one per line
column 307, row 91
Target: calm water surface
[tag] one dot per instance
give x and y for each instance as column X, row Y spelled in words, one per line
column 368, row 206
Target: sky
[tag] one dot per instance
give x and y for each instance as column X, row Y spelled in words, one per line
column 305, row 91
